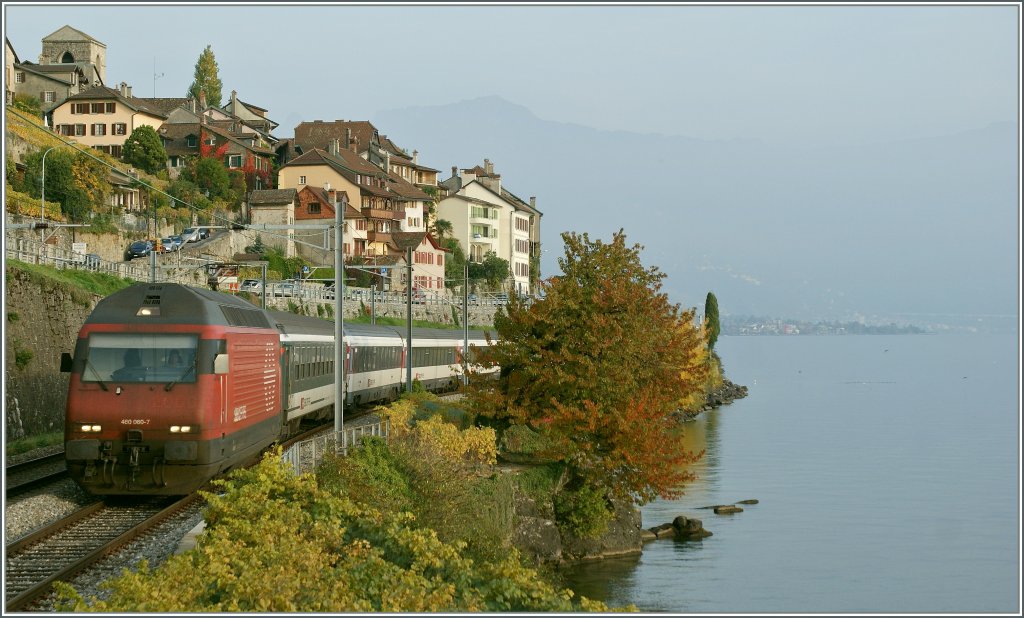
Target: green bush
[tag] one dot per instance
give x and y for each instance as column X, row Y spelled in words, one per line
column 277, row 542
column 371, row 475
column 521, row 440
column 583, row 511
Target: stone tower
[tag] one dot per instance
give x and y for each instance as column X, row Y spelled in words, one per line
column 70, row 46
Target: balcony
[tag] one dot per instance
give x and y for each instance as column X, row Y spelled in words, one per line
column 379, row 213
column 375, row 236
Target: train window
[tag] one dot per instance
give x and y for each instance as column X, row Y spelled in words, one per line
column 134, row 357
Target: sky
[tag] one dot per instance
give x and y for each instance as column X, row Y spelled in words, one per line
column 792, row 79
column 800, row 74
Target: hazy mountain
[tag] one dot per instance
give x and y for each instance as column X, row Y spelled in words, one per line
column 908, row 227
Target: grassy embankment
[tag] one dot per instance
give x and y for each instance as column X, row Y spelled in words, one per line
column 80, row 287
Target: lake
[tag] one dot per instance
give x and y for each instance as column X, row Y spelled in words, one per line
column 888, row 474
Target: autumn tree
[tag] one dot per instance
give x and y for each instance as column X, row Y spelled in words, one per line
column 713, row 327
column 598, row 368
column 206, row 79
column 144, row 150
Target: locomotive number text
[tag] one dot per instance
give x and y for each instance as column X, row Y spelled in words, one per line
column 134, row 421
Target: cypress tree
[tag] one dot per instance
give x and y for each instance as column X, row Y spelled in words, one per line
column 711, row 319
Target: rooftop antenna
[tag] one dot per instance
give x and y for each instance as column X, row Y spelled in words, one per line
column 155, row 76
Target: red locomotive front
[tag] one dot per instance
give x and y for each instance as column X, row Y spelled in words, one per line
column 169, row 387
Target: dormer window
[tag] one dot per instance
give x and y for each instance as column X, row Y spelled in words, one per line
column 191, row 141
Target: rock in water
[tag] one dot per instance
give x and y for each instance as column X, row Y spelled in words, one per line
column 687, row 528
column 727, row 509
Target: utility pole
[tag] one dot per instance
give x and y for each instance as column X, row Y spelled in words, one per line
column 408, row 316
column 339, row 317
column 465, row 322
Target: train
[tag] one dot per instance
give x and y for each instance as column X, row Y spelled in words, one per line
column 172, row 385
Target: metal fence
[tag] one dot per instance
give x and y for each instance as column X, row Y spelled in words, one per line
column 305, row 456
column 35, row 252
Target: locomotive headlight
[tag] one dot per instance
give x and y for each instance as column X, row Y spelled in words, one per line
column 91, row 428
column 175, row 428
column 184, row 428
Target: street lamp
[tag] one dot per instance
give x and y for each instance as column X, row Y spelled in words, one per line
column 42, row 193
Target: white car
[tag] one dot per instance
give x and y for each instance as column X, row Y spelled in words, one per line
column 251, row 285
column 190, row 234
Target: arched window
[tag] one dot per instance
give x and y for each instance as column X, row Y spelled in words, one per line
column 67, row 58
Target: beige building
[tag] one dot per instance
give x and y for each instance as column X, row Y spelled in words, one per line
column 103, row 118
column 274, row 207
column 486, row 217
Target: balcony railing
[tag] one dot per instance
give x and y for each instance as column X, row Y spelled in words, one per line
column 375, row 236
column 380, row 213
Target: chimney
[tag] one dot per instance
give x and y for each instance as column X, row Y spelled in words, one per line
column 234, row 102
column 129, row 92
column 533, row 202
column 455, row 171
column 348, row 138
column 123, row 89
column 192, row 104
column 414, row 155
column 488, row 167
column 334, row 148
column 202, row 100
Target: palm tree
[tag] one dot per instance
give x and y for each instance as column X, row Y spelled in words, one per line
column 442, row 228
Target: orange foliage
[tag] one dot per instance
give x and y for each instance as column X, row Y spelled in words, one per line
column 600, row 366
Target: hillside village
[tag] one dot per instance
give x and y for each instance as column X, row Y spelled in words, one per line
column 280, row 192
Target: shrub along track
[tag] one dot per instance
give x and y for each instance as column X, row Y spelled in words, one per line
column 65, row 548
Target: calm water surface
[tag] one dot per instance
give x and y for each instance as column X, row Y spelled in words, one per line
column 887, row 469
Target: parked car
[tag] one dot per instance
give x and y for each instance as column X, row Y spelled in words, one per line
column 418, row 296
column 328, row 292
column 251, row 285
column 204, row 233
column 473, row 299
column 286, row 288
column 190, row 234
column 169, row 244
column 501, row 299
column 179, row 241
column 139, row 248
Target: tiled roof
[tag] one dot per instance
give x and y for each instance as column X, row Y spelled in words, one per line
column 319, row 134
column 272, row 196
column 404, row 240
column 34, row 68
column 164, row 105
column 51, row 68
column 406, row 189
column 103, row 93
column 322, row 195
column 68, row 30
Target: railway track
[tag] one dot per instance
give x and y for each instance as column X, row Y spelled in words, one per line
column 65, row 548
column 33, row 474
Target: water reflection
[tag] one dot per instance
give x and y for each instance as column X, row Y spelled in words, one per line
column 613, row 580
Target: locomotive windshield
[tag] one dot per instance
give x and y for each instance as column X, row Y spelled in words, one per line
column 133, row 357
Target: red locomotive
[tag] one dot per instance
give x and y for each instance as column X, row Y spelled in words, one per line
column 172, row 385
